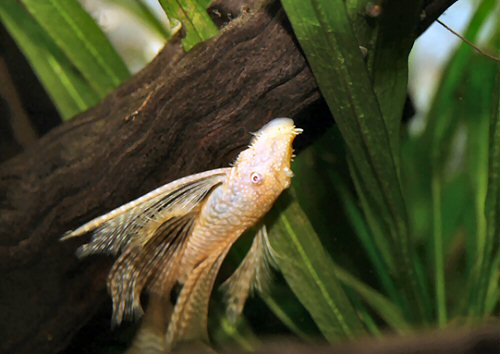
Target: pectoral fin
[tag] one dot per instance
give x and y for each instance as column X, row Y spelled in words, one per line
column 115, row 230
column 252, row 274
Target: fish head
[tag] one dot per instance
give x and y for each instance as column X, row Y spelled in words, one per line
column 263, row 170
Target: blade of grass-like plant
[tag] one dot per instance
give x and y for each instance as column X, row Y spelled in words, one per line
column 382, row 270
column 69, row 91
column 380, row 241
column 82, row 41
column 310, row 272
column 289, row 321
column 493, row 294
column 325, row 33
column 283, row 303
column 204, row 3
column 373, row 219
column 445, row 118
column 238, row 334
column 395, row 35
column 383, row 244
column 488, row 282
column 477, row 112
column 364, row 315
column 323, row 163
column 194, row 17
column 438, row 256
column 379, row 304
column 142, row 11
column 477, row 84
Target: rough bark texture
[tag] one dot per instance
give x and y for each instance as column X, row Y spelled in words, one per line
column 183, row 114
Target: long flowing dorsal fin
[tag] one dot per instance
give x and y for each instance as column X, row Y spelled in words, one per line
column 116, row 229
column 253, row 273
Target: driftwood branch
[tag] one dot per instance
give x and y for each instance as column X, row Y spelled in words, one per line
column 431, row 12
column 183, row 114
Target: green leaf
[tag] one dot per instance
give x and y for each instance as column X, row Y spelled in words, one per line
column 461, row 106
column 69, row 91
column 382, row 269
column 234, row 335
column 310, row 272
column 395, row 35
column 324, row 31
column 386, row 31
column 379, row 304
column 82, row 41
column 194, row 18
column 142, row 11
column 287, row 314
column 488, row 282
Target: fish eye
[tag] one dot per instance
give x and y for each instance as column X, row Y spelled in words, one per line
column 256, row 178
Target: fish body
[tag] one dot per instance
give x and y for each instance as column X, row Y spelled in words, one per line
column 181, row 232
column 258, row 177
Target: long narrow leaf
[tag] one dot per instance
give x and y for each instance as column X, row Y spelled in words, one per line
column 310, row 272
column 143, row 12
column 276, row 306
column 69, row 91
column 82, row 41
column 382, row 270
column 395, row 35
column 194, row 18
column 447, row 119
column 325, row 32
column 488, row 283
column 378, row 303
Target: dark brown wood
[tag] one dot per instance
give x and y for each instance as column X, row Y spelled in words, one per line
column 431, row 12
column 184, row 113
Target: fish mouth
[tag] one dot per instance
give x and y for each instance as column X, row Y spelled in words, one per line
column 277, row 128
column 278, row 123
column 281, row 124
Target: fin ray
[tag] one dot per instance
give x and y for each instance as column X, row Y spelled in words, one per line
column 147, row 199
column 116, row 229
column 253, row 273
column 137, row 265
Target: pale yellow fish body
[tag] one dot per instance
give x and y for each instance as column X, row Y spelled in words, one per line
column 182, row 231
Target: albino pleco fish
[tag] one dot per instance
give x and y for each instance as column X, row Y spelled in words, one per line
column 181, row 232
